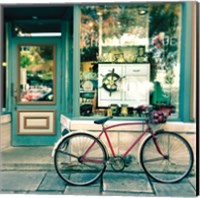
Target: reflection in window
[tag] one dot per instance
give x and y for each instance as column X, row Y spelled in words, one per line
column 130, row 57
column 37, row 68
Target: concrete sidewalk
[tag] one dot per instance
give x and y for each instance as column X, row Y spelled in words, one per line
column 27, row 158
column 31, row 170
column 118, row 184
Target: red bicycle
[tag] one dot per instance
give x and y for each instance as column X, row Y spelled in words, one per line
column 81, row 158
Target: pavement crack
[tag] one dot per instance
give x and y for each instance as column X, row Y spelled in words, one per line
column 151, row 184
column 190, row 182
column 41, row 181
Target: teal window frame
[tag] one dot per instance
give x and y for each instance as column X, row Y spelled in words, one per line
column 185, row 62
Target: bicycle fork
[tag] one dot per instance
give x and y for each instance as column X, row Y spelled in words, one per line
column 157, row 145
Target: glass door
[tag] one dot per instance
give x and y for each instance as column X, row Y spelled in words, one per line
column 34, row 90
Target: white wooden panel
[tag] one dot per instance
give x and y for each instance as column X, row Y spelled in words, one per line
column 133, row 89
column 40, row 122
column 136, row 70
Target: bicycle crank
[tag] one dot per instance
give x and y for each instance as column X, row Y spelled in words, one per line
column 117, row 163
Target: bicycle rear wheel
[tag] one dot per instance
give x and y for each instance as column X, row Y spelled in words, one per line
column 176, row 164
column 71, row 163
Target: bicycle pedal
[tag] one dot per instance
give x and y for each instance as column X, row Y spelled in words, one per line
column 128, row 159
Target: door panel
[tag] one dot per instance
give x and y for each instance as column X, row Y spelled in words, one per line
column 35, row 80
column 36, row 122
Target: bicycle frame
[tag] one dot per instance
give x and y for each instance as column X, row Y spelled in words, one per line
column 104, row 131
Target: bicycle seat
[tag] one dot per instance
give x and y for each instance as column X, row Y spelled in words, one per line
column 102, row 121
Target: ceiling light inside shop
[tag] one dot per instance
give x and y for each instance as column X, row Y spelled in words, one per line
column 45, row 34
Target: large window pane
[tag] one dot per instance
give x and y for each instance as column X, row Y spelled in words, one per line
column 130, row 56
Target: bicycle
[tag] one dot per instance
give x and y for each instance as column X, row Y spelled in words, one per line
column 81, row 158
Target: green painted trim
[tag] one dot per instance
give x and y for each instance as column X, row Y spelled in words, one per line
column 70, row 71
column 186, row 60
column 9, row 60
column 67, row 80
column 64, row 65
column 76, row 61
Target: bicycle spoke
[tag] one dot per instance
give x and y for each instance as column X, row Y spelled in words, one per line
column 64, row 152
column 154, row 160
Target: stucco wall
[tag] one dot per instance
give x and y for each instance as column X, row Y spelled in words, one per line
column 5, row 131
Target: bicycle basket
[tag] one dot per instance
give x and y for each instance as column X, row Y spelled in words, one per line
column 160, row 113
column 158, row 117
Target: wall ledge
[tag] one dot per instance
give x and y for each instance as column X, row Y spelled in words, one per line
column 169, row 126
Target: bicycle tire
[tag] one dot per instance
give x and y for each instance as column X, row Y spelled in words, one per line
column 72, row 168
column 178, row 163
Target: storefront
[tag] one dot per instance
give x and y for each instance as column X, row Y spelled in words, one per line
column 90, row 61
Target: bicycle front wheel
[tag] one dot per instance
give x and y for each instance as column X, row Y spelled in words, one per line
column 80, row 159
column 176, row 163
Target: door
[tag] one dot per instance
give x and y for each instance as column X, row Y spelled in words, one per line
column 35, row 98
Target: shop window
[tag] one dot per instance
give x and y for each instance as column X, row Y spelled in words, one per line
column 130, row 57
